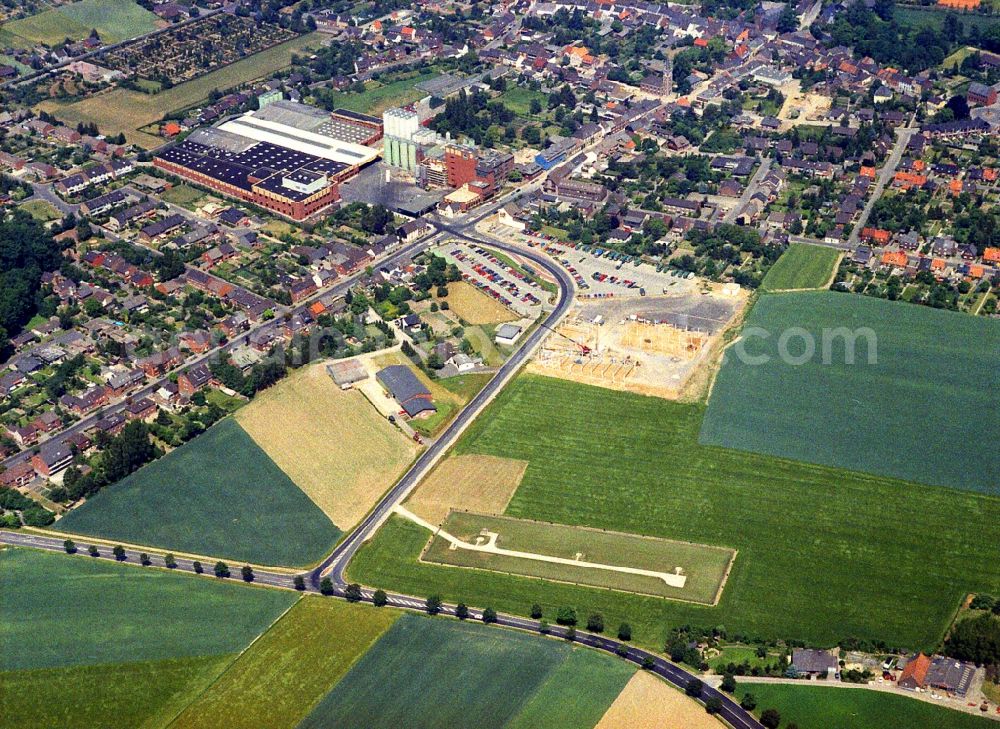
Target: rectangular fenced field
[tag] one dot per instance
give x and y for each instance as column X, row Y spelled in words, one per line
column 706, row 567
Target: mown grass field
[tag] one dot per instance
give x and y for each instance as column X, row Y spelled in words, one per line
column 802, row 266
column 114, row 20
column 279, row 678
column 819, row 559
column 466, row 386
column 63, row 611
column 705, row 566
column 217, row 495
column 378, row 97
column 41, row 210
column 475, row 307
column 116, row 696
column 332, row 443
column 124, row 110
column 923, row 410
column 820, row 707
column 427, row 672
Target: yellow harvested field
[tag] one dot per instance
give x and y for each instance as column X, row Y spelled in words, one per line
column 332, row 443
column 483, row 484
column 475, row 307
column 647, row 702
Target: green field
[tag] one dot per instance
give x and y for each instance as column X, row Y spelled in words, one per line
column 378, row 97
column 117, row 696
column 466, row 386
column 802, row 266
column 282, row 675
column 61, row 611
column 427, row 672
column 217, row 495
column 576, row 694
column 819, row 560
column 704, row 566
column 924, row 411
column 124, row 110
column 41, row 210
column 184, row 195
column 114, row 20
column 518, row 100
column 819, row 707
column 919, row 17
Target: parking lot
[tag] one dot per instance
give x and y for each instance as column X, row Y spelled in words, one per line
column 601, row 272
column 496, row 278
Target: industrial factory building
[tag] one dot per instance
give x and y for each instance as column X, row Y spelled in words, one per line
column 287, row 157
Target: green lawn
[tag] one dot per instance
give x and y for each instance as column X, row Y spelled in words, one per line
column 705, row 566
column 466, row 386
column 114, row 20
column 117, row 696
column 278, row 680
column 822, row 707
column 802, row 266
column 41, row 210
column 184, row 195
column 217, row 495
column 820, row 557
column 378, row 97
column 61, row 611
column 925, row 410
column 518, row 100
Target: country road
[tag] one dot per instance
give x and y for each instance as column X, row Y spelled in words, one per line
column 335, row 564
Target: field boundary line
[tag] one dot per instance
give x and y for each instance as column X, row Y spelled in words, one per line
column 225, row 670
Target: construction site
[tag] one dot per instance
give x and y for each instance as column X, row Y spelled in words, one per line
column 650, row 345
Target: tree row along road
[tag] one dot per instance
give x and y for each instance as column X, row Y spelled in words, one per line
column 334, row 565
column 731, row 711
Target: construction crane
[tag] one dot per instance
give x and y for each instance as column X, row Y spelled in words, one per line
column 584, row 349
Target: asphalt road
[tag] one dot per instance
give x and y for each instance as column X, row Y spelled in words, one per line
column 731, row 711
column 335, row 564
column 337, row 289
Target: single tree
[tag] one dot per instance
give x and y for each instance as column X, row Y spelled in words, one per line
column 570, row 634
column 433, row 604
column 144, row 560
column 543, row 626
column 770, row 718
column 728, row 683
column 461, row 611
column 536, row 611
column 299, row 582
column 713, row 705
column 169, row 561
column 353, row 592
column 624, row 632
column 221, row 569
column 196, row 566
column 694, row 687
column 92, row 550
column 69, row 546
column 748, row 702
column 649, row 663
column 326, row 586
column 489, row 615
column 622, row 650
column 566, row 616
column 119, row 552
column 595, row 623
column 246, row 572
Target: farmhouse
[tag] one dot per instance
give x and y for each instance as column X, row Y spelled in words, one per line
column 812, row 662
column 407, row 390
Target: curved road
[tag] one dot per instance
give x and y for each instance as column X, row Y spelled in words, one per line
column 335, row 564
